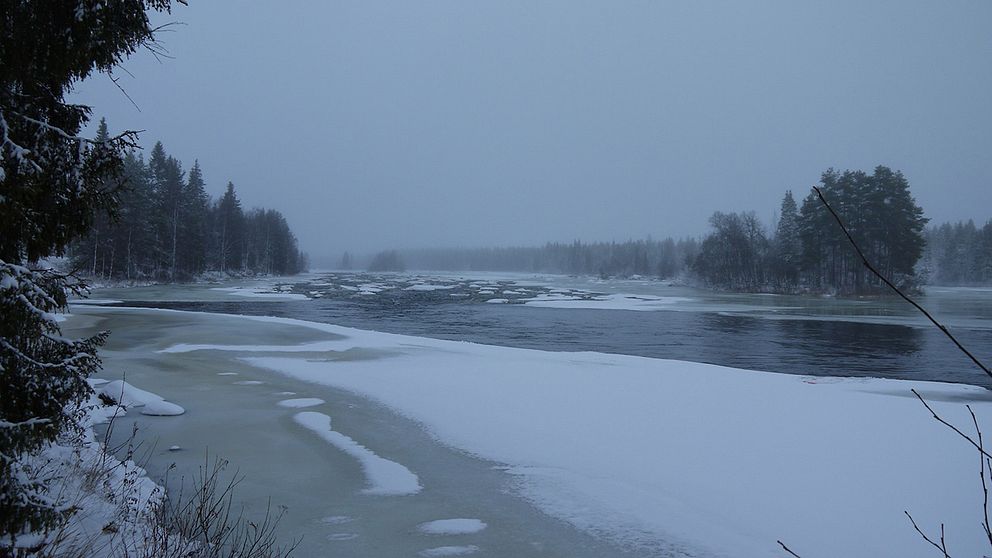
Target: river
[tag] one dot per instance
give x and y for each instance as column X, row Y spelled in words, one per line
column 821, row 336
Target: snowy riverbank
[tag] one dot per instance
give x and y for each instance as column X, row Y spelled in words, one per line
column 663, row 454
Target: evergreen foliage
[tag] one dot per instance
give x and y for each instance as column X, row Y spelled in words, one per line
column 958, row 254
column 53, row 185
column 666, row 259
column 387, row 260
column 168, row 229
column 809, row 252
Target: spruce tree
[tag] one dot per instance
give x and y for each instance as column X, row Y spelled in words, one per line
column 787, row 242
column 193, row 233
column 54, row 183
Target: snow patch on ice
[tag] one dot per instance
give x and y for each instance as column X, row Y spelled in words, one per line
column 127, row 395
column 641, row 303
column 256, row 292
column 448, row 551
column 458, row 526
column 161, row 409
column 384, row 477
column 301, row 403
column 429, row 287
column 342, row 536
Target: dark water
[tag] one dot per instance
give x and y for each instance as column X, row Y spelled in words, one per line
column 806, row 346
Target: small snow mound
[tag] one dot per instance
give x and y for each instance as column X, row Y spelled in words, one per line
column 127, row 395
column 174, row 448
column 449, row 551
column 161, row 409
column 248, row 383
column 301, row 402
column 497, row 301
column 342, row 536
column 227, row 373
column 337, row 519
column 452, row 526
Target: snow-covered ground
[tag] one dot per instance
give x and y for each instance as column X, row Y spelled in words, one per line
column 702, row 459
column 113, row 502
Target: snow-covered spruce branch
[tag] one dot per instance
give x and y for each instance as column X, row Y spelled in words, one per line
column 128, row 137
column 19, row 153
column 24, row 423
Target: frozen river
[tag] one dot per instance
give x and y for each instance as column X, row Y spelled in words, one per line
column 543, row 482
column 797, row 335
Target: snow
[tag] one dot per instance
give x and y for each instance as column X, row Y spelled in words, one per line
column 384, row 477
column 497, row 301
column 428, row 287
column 161, row 409
column 127, row 395
column 342, row 536
column 699, row 456
column 607, row 302
column 98, row 301
column 248, row 383
column 301, row 402
column 452, row 526
column 100, row 490
column 449, row 551
column 258, row 292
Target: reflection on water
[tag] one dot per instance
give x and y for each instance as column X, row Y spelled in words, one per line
column 827, row 347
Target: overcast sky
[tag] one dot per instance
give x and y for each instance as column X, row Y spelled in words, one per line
column 373, row 125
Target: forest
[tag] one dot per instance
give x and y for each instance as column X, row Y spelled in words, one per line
column 808, row 251
column 958, row 254
column 167, row 228
column 664, row 258
column 804, row 251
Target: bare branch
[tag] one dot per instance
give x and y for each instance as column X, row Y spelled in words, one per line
column 951, row 426
column 787, row 549
column 941, row 547
column 871, row 268
column 116, row 81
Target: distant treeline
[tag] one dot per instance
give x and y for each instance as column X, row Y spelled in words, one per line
column 958, row 254
column 804, row 252
column 168, row 229
column 661, row 258
column 808, row 252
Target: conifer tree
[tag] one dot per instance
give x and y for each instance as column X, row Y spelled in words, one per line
column 54, row 182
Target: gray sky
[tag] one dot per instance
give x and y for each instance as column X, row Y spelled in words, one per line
column 459, row 123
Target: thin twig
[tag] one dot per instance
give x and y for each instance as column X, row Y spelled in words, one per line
column 871, row 268
column 985, row 487
column 941, row 547
column 951, row 426
column 787, row 549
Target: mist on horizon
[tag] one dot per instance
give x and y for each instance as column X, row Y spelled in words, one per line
column 374, row 126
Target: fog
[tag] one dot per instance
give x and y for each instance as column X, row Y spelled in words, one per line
column 377, row 125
